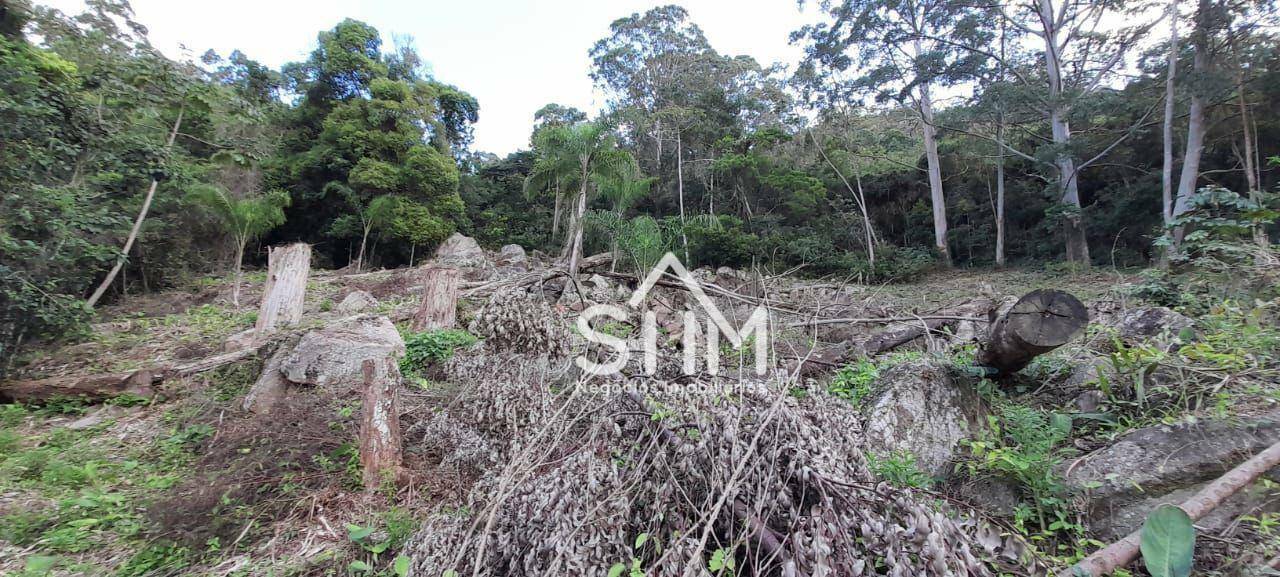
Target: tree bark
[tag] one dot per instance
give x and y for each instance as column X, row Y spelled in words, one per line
column 1039, row 322
column 575, row 246
column 1077, row 241
column 1124, row 551
column 1000, row 259
column 936, row 196
column 380, row 440
column 1166, row 171
column 439, row 308
column 1195, row 125
column 90, row 388
column 137, row 224
column 282, row 298
column 239, row 273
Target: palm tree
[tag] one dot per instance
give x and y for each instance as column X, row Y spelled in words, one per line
column 245, row 219
column 621, row 193
column 578, row 154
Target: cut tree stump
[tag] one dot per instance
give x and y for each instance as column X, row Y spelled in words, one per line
column 91, row 388
column 1039, row 322
column 380, row 446
column 287, row 270
column 439, row 308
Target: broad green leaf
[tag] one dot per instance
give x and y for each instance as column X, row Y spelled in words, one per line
column 617, row 569
column 357, row 533
column 641, row 539
column 401, row 566
column 1168, row 542
column 359, row 567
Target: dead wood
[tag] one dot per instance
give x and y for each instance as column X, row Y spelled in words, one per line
column 1124, row 551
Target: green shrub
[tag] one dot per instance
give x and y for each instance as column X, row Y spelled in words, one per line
column 899, row 468
column 854, row 382
column 427, row 347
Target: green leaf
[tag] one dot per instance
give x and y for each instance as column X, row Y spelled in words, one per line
column 357, row 533
column 359, row 567
column 641, row 539
column 401, row 566
column 1168, row 541
column 39, row 564
column 617, row 569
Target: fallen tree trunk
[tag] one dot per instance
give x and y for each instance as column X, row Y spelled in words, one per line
column 282, row 298
column 1124, row 551
column 894, row 337
column 380, row 439
column 593, row 261
column 91, row 388
column 439, row 308
column 1039, row 322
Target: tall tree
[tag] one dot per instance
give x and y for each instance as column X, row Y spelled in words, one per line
column 899, row 50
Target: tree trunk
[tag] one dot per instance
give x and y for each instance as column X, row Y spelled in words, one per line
column 1077, row 241
column 1249, row 155
column 936, row 196
column 1000, row 259
column 555, row 216
column 282, row 298
column 858, row 197
column 575, row 246
column 1124, row 551
column 380, row 441
column 239, row 273
column 364, row 238
column 1166, row 171
column 439, row 308
column 1195, row 127
column 137, row 224
column 904, row 332
column 91, row 388
column 684, row 238
column 1039, row 322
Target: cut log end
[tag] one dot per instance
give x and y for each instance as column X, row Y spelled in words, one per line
column 1039, row 322
column 1047, row 318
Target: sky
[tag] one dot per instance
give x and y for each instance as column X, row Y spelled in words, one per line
column 514, row 56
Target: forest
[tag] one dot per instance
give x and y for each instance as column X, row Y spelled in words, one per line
column 928, row 171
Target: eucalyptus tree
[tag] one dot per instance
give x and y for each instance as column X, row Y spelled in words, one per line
column 583, row 154
column 899, row 51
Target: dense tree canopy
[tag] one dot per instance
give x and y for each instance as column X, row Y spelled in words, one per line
column 910, row 134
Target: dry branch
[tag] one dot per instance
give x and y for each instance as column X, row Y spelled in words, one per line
column 89, row 388
column 1124, row 551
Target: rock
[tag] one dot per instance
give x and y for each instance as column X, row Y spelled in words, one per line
column 332, row 356
column 1121, row 483
column 96, row 417
column 992, row 495
column 460, row 246
column 598, row 282
column 463, row 253
column 512, row 255
column 1150, row 323
column 1088, row 401
column 920, row 407
column 357, row 302
column 1085, row 374
column 239, row 341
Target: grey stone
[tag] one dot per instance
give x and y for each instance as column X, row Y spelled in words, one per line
column 1120, row 483
column 356, row 302
column 922, row 408
column 460, row 246
column 1151, row 323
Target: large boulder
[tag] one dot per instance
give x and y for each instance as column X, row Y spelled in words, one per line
column 464, row 253
column 1124, row 481
column 459, row 247
column 922, row 408
column 512, row 255
column 1147, row 324
column 333, row 356
column 357, row 302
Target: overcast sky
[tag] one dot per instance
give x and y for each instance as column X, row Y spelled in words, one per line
column 514, row 56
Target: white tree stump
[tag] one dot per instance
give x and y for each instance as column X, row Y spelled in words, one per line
column 380, row 442
column 287, row 270
column 439, row 308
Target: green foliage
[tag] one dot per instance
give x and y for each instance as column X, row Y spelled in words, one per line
column 432, row 347
column 1022, row 445
column 899, row 468
column 1168, row 542
column 854, row 382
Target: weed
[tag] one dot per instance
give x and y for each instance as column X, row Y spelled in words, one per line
column 427, row 347
column 854, row 382
column 899, row 469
